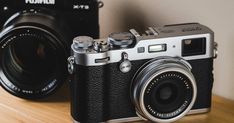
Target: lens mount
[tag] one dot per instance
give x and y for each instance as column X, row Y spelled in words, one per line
column 33, row 55
column 164, row 89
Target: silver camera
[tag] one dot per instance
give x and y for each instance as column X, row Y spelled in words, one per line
column 159, row 76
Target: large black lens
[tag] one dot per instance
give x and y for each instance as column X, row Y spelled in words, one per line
column 33, row 55
column 30, row 60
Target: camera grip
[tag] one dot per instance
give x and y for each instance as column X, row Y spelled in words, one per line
column 87, row 91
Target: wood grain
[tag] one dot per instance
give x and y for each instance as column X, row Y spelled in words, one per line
column 56, row 109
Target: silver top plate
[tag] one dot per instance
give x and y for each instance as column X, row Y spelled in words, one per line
column 172, row 36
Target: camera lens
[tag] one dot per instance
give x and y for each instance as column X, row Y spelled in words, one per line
column 33, row 55
column 26, row 58
column 164, row 89
column 172, row 92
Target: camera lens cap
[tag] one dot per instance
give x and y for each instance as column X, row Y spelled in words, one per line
column 83, row 42
column 123, row 39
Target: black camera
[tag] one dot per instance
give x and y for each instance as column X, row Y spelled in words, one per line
column 35, row 41
column 159, row 76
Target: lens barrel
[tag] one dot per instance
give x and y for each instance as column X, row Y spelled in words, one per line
column 33, row 54
column 164, row 89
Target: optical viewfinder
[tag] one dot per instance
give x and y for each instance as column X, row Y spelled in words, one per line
column 192, row 47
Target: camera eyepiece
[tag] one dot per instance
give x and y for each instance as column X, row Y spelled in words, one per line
column 164, row 89
column 33, row 54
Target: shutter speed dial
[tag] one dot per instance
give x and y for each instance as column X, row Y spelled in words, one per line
column 124, row 39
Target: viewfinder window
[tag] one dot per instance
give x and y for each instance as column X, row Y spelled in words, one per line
column 191, row 47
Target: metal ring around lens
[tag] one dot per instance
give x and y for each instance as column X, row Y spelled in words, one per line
column 141, row 87
column 180, row 115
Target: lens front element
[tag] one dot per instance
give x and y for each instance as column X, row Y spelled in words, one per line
column 29, row 60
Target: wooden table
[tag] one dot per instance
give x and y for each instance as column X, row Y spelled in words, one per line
column 56, row 109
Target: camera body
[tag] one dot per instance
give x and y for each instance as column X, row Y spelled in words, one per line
column 35, row 41
column 158, row 76
column 75, row 14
